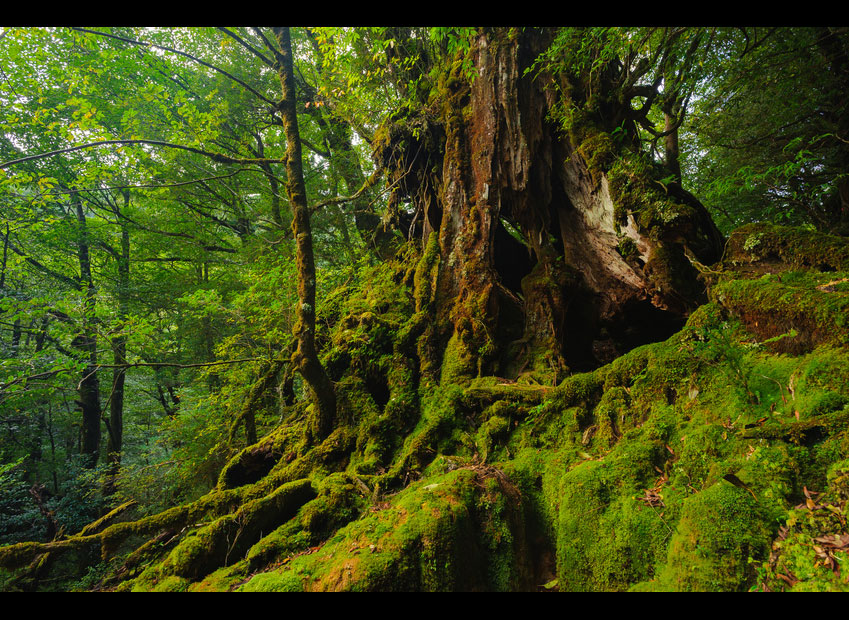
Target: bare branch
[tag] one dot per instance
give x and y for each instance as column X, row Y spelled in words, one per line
column 333, row 201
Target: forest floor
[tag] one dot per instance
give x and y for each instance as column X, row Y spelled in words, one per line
column 715, row 460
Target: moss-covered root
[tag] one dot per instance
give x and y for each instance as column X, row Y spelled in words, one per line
column 228, row 538
column 463, row 530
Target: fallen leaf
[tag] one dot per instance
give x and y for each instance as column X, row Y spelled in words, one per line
column 550, row 585
column 739, row 483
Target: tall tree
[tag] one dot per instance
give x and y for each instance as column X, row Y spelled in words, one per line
column 305, row 357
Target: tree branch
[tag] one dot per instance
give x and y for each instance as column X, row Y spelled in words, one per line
column 216, row 157
column 248, row 46
column 170, row 365
column 179, row 53
column 74, row 283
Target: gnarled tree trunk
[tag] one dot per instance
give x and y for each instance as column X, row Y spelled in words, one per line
column 557, row 249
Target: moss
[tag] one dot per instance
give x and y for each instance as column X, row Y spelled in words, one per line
column 622, row 371
column 599, row 152
column 581, row 388
column 606, row 539
column 224, row 579
column 611, row 417
column 273, row 582
column 492, row 432
column 627, row 248
column 426, row 279
column 722, row 531
column 483, row 392
column 426, row 540
column 792, row 247
column 458, row 365
column 340, row 500
column 168, row 584
column 18, row 555
column 794, row 311
column 228, row 538
column 441, row 428
column 806, row 554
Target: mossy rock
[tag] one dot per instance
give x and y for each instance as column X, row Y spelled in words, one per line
column 793, row 311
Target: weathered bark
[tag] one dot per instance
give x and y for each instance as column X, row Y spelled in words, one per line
column 305, row 357
column 600, row 271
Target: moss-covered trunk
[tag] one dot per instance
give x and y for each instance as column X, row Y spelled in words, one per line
column 305, row 358
column 559, row 246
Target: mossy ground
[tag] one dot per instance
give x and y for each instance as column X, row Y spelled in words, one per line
column 715, row 460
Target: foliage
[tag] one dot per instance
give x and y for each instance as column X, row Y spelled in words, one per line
column 149, row 282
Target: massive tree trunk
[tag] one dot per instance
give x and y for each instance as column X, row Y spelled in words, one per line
column 557, row 249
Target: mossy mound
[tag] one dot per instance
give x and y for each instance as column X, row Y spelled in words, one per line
column 462, row 530
column 793, row 310
column 721, row 533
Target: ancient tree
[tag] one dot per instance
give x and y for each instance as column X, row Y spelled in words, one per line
column 483, row 389
column 559, row 243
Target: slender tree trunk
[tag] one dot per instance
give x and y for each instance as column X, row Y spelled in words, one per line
column 36, row 452
column 835, row 54
column 5, row 255
column 370, row 226
column 86, row 341
column 274, row 186
column 673, row 152
column 305, row 357
column 115, row 440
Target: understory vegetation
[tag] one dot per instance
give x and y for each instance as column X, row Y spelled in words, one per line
column 400, row 309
